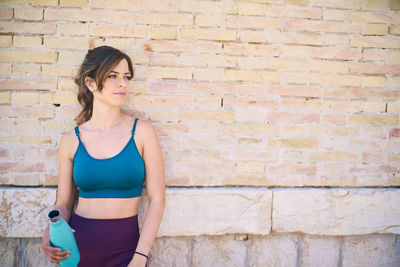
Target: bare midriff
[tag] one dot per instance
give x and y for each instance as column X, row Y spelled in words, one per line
column 107, row 208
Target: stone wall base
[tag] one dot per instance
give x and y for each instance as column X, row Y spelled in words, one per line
column 240, row 250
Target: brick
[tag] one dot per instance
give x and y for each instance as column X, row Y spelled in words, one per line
column 394, row 82
column 70, row 57
column 344, row 4
column 164, row 19
column 380, row 5
column 374, row 94
column 6, row 13
column 16, row 84
column 252, row 63
column 296, row 2
column 27, row 27
column 335, row 14
column 301, row 91
column 134, row 5
column 394, row 30
column 375, row 29
column 120, row 43
column 371, row 81
column 28, row 70
column 250, row 168
column 280, row 64
column 164, row 73
column 324, row 26
column 373, row 55
column 253, row 36
column 28, row 13
column 5, row 97
column 336, row 53
column 5, row 69
column 60, row 98
column 26, row 126
column 371, row 68
column 307, row 38
column 118, row 31
column 206, row 47
column 293, row 78
column 373, row 119
column 66, row 43
column 251, row 50
column 379, row 42
column 59, row 70
column 33, row 2
column 74, row 3
column 286, row 117
column 28, row 56
column 394, row 5
column 207, row 7
column 5, row 41
column 252, row 22
column 328, row 66
column 163, row 46
column 208, row 21
column 336, row 39
column 249, row 75
column 25, row 98
column 251, row 9
column 164, row 101
column 198, row 88
column 295, row 51
column 208, row 74
column 369, row 17
column 208, row 34
column 27, row 41
column 335, row 80
column 293, row 143
column 392, row 57
column 292, row 12
column 164, row 33
column 66, row 85
column 87, row 15
column 209, row 115
column 72, row 29
column 333, row 156
column 163, row 60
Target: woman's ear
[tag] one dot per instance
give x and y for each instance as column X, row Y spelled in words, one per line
column 91, row 84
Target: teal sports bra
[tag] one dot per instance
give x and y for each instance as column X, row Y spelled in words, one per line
column 120, row 176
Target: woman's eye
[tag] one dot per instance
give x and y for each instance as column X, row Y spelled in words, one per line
column 112, row 76
column 127, row 77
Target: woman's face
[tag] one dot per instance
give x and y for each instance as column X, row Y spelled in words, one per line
column 115, row 86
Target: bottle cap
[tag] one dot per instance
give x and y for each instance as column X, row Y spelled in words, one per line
column 54, row 216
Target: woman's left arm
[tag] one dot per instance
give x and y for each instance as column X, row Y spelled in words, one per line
column 155, row 187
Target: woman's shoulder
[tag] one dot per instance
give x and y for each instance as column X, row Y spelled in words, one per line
column 68, row 142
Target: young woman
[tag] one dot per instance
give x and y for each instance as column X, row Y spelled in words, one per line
column 107, row 156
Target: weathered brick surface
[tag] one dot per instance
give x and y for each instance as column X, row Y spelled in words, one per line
column 247, row 93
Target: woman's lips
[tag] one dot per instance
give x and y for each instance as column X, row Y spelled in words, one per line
column 121, row 94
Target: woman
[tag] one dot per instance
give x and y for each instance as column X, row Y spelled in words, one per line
column 96, row 158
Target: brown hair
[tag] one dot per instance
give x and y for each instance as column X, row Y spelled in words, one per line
column 97, row 65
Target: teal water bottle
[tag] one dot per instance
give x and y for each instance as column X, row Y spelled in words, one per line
column 61, row 236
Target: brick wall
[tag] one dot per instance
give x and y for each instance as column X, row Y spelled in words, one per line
column 278, row 121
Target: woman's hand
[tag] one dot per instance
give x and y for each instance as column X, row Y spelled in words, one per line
column 53, row 254
column 138, row 261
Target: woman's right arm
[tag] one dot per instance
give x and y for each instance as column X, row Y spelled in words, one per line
column 65, row 194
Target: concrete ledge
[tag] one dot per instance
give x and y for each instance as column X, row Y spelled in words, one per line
column 188, row 212
column 336, row 211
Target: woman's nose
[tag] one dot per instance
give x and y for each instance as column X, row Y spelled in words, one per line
column 122, row 82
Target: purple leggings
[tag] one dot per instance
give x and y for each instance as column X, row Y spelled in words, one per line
column 105, row 242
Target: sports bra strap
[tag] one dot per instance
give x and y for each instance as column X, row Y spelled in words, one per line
column 77, row 132
column 134, row 127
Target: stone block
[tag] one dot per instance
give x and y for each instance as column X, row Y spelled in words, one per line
column 171, row 251
column 273, row 250
column 9, row 250
column 371, row 251
column 34, row 255
column 219, row 251
column 336, row 211
column 24, row 211
column 192, row 212
column 320, row 251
